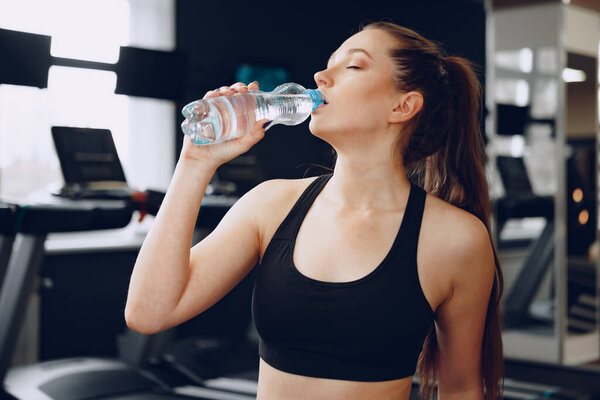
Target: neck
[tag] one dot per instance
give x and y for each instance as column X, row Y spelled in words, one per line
column 368, row 183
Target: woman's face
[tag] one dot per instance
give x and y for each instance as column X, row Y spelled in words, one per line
column 359, row 89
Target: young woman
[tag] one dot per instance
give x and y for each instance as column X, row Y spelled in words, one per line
column 384, row 268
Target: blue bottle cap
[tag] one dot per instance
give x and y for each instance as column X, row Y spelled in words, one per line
column 316, row 96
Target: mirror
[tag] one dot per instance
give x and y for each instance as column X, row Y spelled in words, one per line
column 542, row 129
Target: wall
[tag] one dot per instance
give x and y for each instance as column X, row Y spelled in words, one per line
column 219, row 36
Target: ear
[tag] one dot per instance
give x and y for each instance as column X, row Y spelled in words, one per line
column 409, row 104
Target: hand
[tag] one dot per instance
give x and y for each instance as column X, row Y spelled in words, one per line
column 219, row 153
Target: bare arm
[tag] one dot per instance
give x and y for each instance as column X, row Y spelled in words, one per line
column 167, row 273
column 461, row 320
column 162, row 268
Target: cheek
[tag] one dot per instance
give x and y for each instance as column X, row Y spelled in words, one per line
column 366, row 104
column 371, row 102
column 369, row 112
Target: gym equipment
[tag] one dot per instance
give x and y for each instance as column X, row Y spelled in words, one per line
column 8, row 222
column 522, row 292
column 90, row 164
column 524, row 390
column 520, row 202
column 580, row 380
column 78, row 378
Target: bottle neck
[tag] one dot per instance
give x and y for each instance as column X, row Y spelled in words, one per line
column 316, row 96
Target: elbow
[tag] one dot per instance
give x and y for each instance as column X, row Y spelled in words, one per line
column 145, row 326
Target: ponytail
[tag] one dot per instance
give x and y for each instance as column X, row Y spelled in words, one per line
column 444, row 153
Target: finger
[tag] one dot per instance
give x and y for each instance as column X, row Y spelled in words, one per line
column 238, row 85
column 210, row 93
column 260, row 127
column 253, row 85
column 220, row 91
column 229, row 91
column 240, row 90
column 255, row 135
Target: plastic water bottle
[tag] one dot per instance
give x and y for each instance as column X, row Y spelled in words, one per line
column 216, row 119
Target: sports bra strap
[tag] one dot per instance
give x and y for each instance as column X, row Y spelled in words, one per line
column 291, row 224
column 414, row 216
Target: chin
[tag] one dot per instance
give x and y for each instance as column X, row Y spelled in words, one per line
column 330, row 135
column 319, row 130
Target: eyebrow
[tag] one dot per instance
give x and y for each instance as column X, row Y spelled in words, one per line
column 350, row 52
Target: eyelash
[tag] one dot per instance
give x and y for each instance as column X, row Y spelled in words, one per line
column 353, row 66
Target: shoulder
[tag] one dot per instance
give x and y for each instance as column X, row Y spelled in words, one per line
column 458, row 229
column 268, row 197
column 271, row 201
column 277, row 192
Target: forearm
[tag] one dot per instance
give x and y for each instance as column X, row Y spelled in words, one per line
column 162, row 268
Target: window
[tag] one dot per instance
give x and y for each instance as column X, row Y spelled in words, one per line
column 93, row 30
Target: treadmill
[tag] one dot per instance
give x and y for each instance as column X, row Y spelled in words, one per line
column 74, row 378
column 8, row 222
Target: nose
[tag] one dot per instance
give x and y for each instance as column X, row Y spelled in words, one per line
column 321, row 79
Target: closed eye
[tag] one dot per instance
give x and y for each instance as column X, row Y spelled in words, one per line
column 353, row 66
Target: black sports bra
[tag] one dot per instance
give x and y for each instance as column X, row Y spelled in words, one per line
column 370, row 329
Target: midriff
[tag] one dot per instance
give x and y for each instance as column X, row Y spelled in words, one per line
column 274, row 384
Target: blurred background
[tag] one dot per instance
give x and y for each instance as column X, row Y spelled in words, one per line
column 120, row 71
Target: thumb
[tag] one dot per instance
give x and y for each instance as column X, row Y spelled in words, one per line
column 255, row 135
column 258, row 130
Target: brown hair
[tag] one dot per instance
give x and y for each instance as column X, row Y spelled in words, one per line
column 444, row 153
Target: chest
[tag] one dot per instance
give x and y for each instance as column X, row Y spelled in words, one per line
column 338, row 247
column 332, row 247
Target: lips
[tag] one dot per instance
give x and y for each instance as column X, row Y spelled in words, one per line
column 321, row 106
column 325, row 102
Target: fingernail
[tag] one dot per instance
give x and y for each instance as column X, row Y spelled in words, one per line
column 266, row 124
column 254, row 82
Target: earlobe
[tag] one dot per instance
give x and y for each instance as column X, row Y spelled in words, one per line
column 408, row 106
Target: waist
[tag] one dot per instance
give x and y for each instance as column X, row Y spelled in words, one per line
column 337, row 365
column 276, row 384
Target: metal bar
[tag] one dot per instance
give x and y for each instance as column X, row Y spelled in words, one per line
column 16, row 288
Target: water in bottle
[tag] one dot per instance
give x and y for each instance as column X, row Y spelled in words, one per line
column 217, row 119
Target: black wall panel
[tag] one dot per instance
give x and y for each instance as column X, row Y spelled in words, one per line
column 83, row 301
column 25, row 58
column 83, row 297
column 219, row 36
